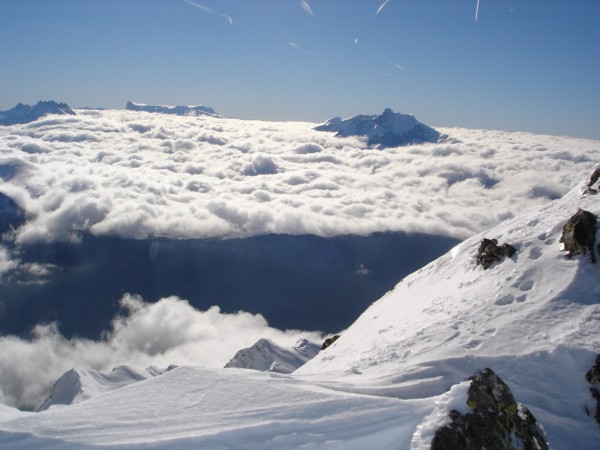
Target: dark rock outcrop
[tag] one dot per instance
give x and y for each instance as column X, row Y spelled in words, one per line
column 497, row 421
column 489, row 252
column 26, row 113
column 579, row 234
column 329, row 341
column 593, row 186
column 593, row 377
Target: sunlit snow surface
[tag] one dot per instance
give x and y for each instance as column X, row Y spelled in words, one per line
column 391, row 378
column 135, row 173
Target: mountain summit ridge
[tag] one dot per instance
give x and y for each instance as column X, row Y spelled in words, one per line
column 389, row 129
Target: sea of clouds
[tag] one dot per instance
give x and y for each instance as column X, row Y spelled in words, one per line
column 133, row 174
column 136, row 174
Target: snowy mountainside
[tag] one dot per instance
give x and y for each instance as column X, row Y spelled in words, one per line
column 533, row 318
column 388, row 129
column 266, row 355
column 78, row 385
column 26, row 113
column 196, row 110
column 395, row 374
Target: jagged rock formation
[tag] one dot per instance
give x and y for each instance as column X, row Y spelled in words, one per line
column 265, row 356
column 497, row 422
column 593, row 377
column 579, row 234
column 199, row 110
column 26, row 113
column 489, row 252
column 389, row 129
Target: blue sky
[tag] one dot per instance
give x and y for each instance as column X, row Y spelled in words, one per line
column 528, row 65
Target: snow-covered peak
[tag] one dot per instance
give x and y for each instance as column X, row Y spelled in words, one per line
column 26, row 113
column 388, row 129
column 78, row 385
column 197, row 110
column 266, row 355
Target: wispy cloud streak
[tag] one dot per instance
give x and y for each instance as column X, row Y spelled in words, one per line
column 477, row 11
column 306, row 7
column 382, row 6
column 210, row 11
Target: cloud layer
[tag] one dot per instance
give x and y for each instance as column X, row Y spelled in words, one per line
column 132, row 174
column 169, row 331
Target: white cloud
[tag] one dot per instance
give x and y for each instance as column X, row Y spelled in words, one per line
column 306, row 7
column 133, row 174
column 169, row 331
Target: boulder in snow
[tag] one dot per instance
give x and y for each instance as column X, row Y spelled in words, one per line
column 579, row 234
column 593, row 186
column 497, row 421
column 593, row 377
column 329, row 341
column 489, row 252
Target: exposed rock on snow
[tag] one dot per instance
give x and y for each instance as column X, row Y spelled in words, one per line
column 266, row 355
column 329, row 341
column 78, row 385
column 489, row 252
column 593, row 377
column 197, row 110
column 592, row 188
column 579, row 234
column 26, row 113
column 497, row 422
column 389, row 129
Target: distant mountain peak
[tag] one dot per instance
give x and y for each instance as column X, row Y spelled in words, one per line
column 265, row 355
column 389, row 129
column 26, row 113
column 195, row 111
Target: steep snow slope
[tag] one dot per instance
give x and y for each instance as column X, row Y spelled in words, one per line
column 266, row 355
column 533, row 318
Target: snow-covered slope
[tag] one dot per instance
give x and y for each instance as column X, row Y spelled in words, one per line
column 26, row 113
column 394, row 375
column 196, row 110
column 266, row 355
column 533, row 318
column 78, row 385
column 388, row 129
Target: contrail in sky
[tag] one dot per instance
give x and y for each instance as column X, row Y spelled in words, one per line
column 382, row 6
column 208, row 10
column 477, row 11
column 306, row 7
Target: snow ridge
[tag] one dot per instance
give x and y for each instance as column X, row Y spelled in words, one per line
column 78, row 385
column 266, row 356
